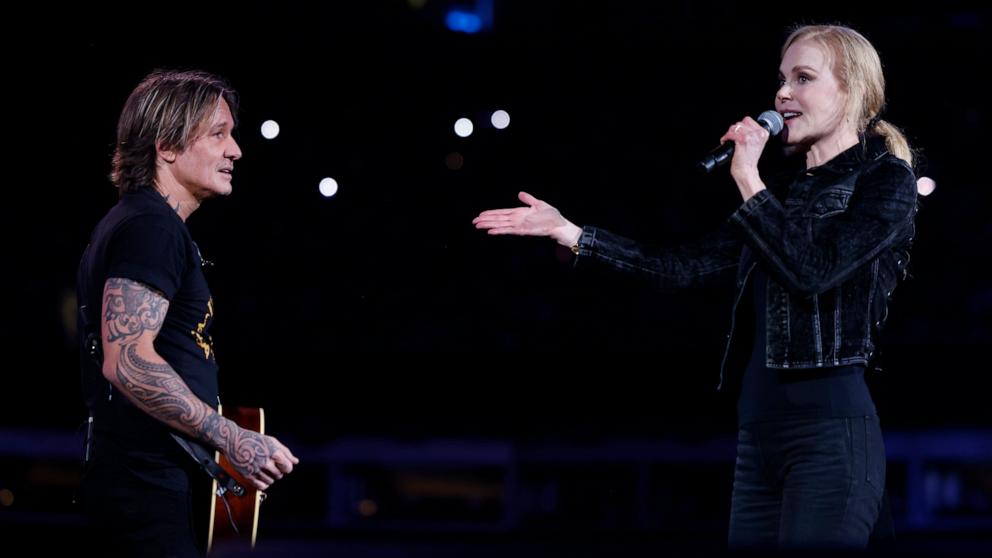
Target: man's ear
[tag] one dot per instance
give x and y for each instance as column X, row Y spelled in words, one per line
column 167, row 155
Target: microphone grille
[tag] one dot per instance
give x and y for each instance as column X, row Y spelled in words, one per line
column 772, row 121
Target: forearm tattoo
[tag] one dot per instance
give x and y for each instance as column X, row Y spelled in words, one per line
column 246, row 449
column 160, row 390
column 132, row 309
column 166, row 396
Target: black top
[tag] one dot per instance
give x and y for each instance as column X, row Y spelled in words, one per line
column 769, row 394
column 144, row 240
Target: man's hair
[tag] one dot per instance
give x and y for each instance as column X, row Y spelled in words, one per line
column 166, row 110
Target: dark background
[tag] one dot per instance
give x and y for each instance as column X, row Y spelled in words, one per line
column 381, row 311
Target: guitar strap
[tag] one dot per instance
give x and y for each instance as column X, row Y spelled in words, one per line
column 225, row 482
column 206, row 461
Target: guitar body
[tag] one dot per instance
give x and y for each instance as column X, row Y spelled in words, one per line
column 243, row 509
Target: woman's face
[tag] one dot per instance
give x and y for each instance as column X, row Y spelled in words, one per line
column 809, row 96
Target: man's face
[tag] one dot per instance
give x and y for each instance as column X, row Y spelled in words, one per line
column 205, row 168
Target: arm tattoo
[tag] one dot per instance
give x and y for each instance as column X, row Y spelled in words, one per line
column 166, row 397
column 160, row 390
column 247, row 450
column 131, row 308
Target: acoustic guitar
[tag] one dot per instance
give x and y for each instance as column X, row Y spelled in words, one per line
column 233, row 516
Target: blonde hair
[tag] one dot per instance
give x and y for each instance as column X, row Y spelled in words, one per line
column 857, row 67
column 166, row 110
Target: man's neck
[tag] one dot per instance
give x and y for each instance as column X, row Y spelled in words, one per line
column 178, row 198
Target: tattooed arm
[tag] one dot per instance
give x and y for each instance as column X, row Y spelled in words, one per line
column 133, row 314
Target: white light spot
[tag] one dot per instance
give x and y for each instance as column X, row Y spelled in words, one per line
column 463, row 127
column 500, row 119
column 270, row 129
column 328, row 187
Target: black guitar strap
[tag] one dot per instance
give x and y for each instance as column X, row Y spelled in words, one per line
column 206, row 461
column 225, row 482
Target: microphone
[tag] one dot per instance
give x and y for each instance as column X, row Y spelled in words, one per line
column 769, row 120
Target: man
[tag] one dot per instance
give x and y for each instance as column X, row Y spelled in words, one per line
column 148, row 366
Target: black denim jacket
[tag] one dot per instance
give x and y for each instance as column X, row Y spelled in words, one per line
column 833, row 251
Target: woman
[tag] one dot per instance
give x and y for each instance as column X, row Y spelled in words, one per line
column 819, row 264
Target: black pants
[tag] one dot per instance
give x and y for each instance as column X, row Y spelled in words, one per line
column 807, row 483
column 132, row 517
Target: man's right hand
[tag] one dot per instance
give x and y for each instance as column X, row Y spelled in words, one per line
column 259, row 458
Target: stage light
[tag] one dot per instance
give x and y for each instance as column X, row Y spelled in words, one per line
column 463, row 127
column 500, row 119
column 270, row 129
column 463, row 22
column 328, row 187
column 454, row 160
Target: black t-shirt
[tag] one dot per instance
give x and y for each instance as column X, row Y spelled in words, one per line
column 772, row 394
column 144, row 240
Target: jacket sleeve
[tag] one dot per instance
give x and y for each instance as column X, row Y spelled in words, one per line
column 707, row 261
column 810, row 254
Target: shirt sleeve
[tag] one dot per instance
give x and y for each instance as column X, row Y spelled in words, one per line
column 149, row 249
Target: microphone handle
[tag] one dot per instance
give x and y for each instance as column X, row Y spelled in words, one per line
column 717, row 157
column 724, row 152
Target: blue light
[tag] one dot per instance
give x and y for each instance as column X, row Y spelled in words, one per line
column 463, row 22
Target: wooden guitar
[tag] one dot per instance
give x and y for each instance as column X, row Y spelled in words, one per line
column 234, row 518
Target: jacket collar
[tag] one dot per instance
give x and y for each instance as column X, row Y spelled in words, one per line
column 868, row 148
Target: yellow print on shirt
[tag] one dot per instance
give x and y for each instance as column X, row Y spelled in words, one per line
column 202, row 338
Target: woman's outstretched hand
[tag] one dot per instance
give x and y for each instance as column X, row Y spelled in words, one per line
column 538, row 218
